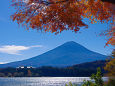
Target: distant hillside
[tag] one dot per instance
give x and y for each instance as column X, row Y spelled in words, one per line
column 79, row 70
column 68, row 54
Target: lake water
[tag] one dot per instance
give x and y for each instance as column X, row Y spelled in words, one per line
column 42, row 81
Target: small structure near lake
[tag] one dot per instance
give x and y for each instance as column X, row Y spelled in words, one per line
column 25, row 67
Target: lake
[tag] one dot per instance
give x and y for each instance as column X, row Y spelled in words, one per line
column 41, row 81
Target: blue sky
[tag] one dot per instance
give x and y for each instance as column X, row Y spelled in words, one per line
column 16, row 43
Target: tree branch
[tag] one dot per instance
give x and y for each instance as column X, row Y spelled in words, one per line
column 110, row 1
column 48, row 3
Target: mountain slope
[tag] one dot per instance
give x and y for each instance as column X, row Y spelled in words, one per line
column 68, row 54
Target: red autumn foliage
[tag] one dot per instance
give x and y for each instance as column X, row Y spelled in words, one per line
column 58, row 15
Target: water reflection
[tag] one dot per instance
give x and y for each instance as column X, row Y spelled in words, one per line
column 42, row 81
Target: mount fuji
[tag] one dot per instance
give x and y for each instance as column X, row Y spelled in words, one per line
column 68, row 54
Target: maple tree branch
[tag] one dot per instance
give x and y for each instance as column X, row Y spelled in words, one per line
column 49, row 3
column 110, row 1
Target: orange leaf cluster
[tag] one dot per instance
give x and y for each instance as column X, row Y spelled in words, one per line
column 58, row 15
column 110, row 66
column 111, row 35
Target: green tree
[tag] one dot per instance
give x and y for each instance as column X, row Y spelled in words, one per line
column 70, row 84
column 98, row 78
column 98, row 81
column 88, row 83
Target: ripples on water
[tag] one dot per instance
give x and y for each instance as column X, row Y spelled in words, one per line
column 41, row 81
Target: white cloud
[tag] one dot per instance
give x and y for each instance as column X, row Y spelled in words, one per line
column 13, row 49
column 3, row 62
